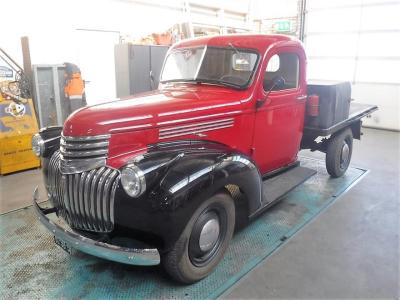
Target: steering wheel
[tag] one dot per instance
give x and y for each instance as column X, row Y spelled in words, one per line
column 233, row 79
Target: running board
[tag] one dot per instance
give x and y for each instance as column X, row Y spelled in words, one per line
column 278, row 186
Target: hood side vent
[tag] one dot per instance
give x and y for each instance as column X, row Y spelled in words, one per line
column 195, row 128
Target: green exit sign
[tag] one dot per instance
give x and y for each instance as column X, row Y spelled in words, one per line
column 282, row 26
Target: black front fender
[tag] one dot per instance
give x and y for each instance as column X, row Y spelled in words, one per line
column 51, row 136
column 179, row 178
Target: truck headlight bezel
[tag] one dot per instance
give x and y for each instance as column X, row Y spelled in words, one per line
column 133, row 180
column 37, row 144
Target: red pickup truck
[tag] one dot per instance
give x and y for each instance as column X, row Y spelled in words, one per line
column 164, row 176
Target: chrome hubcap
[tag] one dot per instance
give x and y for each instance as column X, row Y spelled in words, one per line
column 345, row 153
column 209, row 235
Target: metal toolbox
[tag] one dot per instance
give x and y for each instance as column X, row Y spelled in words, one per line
column 334, row 102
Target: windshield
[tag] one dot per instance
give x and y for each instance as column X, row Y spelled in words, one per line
column 226, row 66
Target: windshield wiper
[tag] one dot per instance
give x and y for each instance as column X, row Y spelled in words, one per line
column 176, row 80
column 206, row 81
column 219, row 82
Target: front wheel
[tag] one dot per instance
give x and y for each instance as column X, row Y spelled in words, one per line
column 203, row 242
column 338, row 154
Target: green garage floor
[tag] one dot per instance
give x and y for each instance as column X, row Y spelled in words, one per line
column 33, row 267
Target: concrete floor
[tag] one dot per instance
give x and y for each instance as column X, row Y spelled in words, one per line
column 350, row 251
column 16, row 189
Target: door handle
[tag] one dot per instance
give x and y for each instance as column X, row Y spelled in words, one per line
column 302, row 97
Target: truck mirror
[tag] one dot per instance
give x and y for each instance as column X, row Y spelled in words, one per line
column 278, row 82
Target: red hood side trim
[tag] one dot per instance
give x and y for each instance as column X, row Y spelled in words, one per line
column 156, row 109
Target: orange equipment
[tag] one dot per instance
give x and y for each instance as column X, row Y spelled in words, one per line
column 74, row 87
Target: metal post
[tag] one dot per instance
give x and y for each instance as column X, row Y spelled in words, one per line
column 250, row 16
column 221, row 21
column 26, row 57
column 57, row 97
column 37, row 96
column 302, row 13
column 186, row 9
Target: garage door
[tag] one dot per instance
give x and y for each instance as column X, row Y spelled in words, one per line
column 358, row 41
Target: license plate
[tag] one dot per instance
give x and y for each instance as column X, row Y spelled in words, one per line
column 63, row 245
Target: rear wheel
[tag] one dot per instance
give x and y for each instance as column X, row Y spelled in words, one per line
column 204, row 241
column 338, row 154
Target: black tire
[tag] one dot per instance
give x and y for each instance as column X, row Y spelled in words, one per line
column 338, row 154
column 186, row 262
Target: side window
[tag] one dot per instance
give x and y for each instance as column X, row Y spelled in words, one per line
column 285, row 65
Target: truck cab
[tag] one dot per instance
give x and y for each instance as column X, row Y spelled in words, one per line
column 164, row 176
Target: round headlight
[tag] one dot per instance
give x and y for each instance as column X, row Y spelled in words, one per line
column 37, row 144
column 133, row 180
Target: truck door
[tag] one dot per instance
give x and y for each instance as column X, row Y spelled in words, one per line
column 279, row 121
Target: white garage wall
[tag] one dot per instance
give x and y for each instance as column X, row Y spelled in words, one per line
column 51, row 25
column 355, row 40
column 54, row 35
column 358, row 41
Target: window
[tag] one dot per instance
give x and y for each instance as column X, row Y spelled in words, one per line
column 183, row 64
column 285, row 65
column 224, row 66
column 228, row 65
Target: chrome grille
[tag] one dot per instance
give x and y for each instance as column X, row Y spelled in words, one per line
column 85, row 200
column 83, row 153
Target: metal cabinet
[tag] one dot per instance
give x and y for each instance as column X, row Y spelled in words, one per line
column 138, row 68
column 50, row 101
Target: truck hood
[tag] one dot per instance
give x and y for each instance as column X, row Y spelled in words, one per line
column 170, row 105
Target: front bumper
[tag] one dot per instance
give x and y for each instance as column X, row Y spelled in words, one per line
column 131, row 256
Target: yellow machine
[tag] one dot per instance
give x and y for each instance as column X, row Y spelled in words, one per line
column 17, row 126
column 17, row 118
